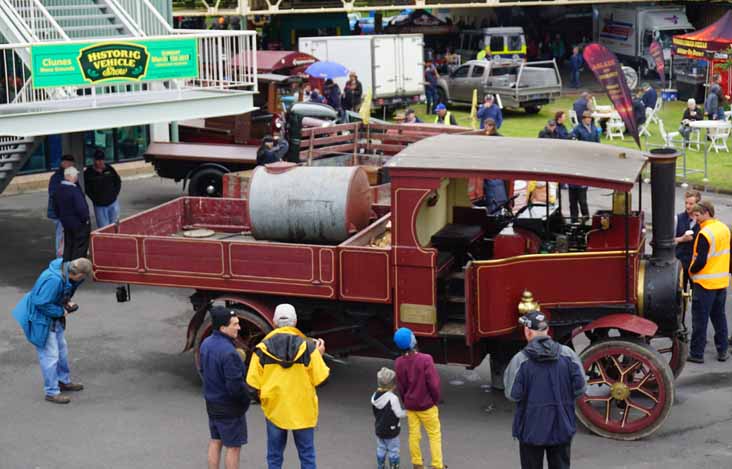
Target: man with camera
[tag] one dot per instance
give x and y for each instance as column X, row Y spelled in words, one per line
column 42, row 315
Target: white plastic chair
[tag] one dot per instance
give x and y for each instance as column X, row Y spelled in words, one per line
column 719, row 136
column 615, row 127
column 695, row 139
column 573, row 119
column 670, row 139
column 644, row 128
column 657, row 108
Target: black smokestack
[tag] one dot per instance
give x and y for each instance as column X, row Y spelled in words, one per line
column 663, row 189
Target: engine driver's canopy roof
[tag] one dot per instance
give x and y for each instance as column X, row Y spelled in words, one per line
column 566, row 161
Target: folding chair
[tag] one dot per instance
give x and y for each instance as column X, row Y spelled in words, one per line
column 670, row 139
column 573, row 119
column 719, row 136
column 644, row 128
column 615, row 127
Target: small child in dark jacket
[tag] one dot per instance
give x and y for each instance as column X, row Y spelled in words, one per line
column 387, row 411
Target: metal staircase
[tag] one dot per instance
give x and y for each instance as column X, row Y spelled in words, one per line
column 90, row 19
column 14, row 153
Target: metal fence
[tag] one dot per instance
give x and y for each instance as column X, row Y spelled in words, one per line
column 145, row 16
column 31, row 20
column 226, row 60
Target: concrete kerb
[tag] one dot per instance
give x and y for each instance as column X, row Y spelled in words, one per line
column 39, row 182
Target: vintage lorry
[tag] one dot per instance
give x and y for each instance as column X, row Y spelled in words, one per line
column 517, row 84
column 430, row 260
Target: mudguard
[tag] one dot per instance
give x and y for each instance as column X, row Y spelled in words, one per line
column 624, row 322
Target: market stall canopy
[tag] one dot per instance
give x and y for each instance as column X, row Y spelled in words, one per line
column 707, row 43
column 283, row 62
column 419, row 21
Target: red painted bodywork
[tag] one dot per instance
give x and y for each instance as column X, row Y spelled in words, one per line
column 149, row 249
column 624, row 322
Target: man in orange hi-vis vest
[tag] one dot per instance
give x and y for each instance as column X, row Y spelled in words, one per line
column 709, row 272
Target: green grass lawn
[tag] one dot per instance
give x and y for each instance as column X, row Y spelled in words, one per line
column 519, row 124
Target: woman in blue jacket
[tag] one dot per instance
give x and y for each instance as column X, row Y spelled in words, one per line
column 42, row 316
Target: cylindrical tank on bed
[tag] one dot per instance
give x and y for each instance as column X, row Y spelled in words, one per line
column 302, row 204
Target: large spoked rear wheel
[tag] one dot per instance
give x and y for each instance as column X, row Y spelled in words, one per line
column 629, row 389
column 253, row 329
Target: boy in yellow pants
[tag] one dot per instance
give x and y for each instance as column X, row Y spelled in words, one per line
column 419, row 386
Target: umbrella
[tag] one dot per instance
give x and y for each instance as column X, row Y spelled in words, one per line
column 326, row 70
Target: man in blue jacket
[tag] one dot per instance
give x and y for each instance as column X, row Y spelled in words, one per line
column 224, row 388
column 42, row 316
column 53, row 183
column 650, row 97
column 490, row 109
column 544, row 379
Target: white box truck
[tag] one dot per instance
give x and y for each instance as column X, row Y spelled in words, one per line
column 628, row 30
column 391, row 65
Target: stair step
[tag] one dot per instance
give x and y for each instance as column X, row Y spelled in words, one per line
column 55, row 8
column 457, row 275
column 453, row 329
column 111, row 27
column 456, row 299
column 104, row 16
column 13, row 150
column 10, row 159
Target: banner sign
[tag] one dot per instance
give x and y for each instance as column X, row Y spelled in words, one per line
column 109, row 62
column 656, row 52
column 608, row 71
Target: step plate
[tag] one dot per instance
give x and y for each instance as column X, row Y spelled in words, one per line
column 456, row 329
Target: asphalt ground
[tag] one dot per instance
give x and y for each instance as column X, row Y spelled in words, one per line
column 142, row 406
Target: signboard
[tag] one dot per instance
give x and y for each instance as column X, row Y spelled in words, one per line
column 109, row 62
column 608, row 71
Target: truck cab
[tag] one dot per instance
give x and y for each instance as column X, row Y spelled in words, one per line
column 505, row 42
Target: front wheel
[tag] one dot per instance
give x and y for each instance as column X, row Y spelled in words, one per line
column 629, row 389
column 208, row 182
column 532, row 109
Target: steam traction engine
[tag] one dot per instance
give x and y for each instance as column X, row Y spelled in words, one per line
column 432, row 261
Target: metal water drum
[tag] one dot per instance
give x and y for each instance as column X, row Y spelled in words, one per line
column 308, row 204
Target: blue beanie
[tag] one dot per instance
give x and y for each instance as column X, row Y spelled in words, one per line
column 404, row 339
column 440, row 107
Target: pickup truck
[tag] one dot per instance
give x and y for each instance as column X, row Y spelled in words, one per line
column 518, row 85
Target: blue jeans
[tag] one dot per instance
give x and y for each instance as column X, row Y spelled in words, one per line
column 706, row 305
column 277, row 439
column 575, row 78
column 54, row 360
column 59, row 237
column 387, row 447
column 106, row 215
column 431, row 98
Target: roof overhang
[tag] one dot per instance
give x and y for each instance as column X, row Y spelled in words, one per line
column 567, row 161
column 111, row 111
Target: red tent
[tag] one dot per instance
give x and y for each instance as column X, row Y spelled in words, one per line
column 710, row 44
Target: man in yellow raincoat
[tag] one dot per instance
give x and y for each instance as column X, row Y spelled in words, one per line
column 286, row 368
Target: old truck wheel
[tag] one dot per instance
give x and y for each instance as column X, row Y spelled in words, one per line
column 674, row 350
column 208, row 182
column 532, row 109
column 629, row 390
column 253, row 330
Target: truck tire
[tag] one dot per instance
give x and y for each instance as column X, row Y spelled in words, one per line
column 207, row 182
column 532, row 109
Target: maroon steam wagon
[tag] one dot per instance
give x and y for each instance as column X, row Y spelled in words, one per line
column 454, row 273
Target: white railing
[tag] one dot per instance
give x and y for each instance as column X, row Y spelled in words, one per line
column 147, row 18
column 37, row 20
column 226, row 61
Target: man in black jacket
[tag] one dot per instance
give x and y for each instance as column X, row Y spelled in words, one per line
column 73, row 211
column 226, row 394
column 102, row 185
column 271, row 150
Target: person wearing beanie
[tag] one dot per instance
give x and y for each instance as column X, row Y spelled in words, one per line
column 544, row 379
column 387, row 412
column 419, row 385
column 285, row 369
column 227, row 397
column 444, row 116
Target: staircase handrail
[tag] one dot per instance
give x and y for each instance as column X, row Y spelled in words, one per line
column 147, row 18
column 124, row 17
column 38, row 13
column 15, row 21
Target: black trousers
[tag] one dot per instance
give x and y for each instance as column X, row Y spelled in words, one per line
column 532, row 457
column 578, row 196
column 76, row 242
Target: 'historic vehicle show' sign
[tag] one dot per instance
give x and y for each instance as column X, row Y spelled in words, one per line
column 80, row 64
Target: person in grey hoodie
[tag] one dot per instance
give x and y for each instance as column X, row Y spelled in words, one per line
column 544, row 379
column 712, row 106
column 387, row 412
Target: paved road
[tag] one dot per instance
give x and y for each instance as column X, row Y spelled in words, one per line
column 142, row 407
